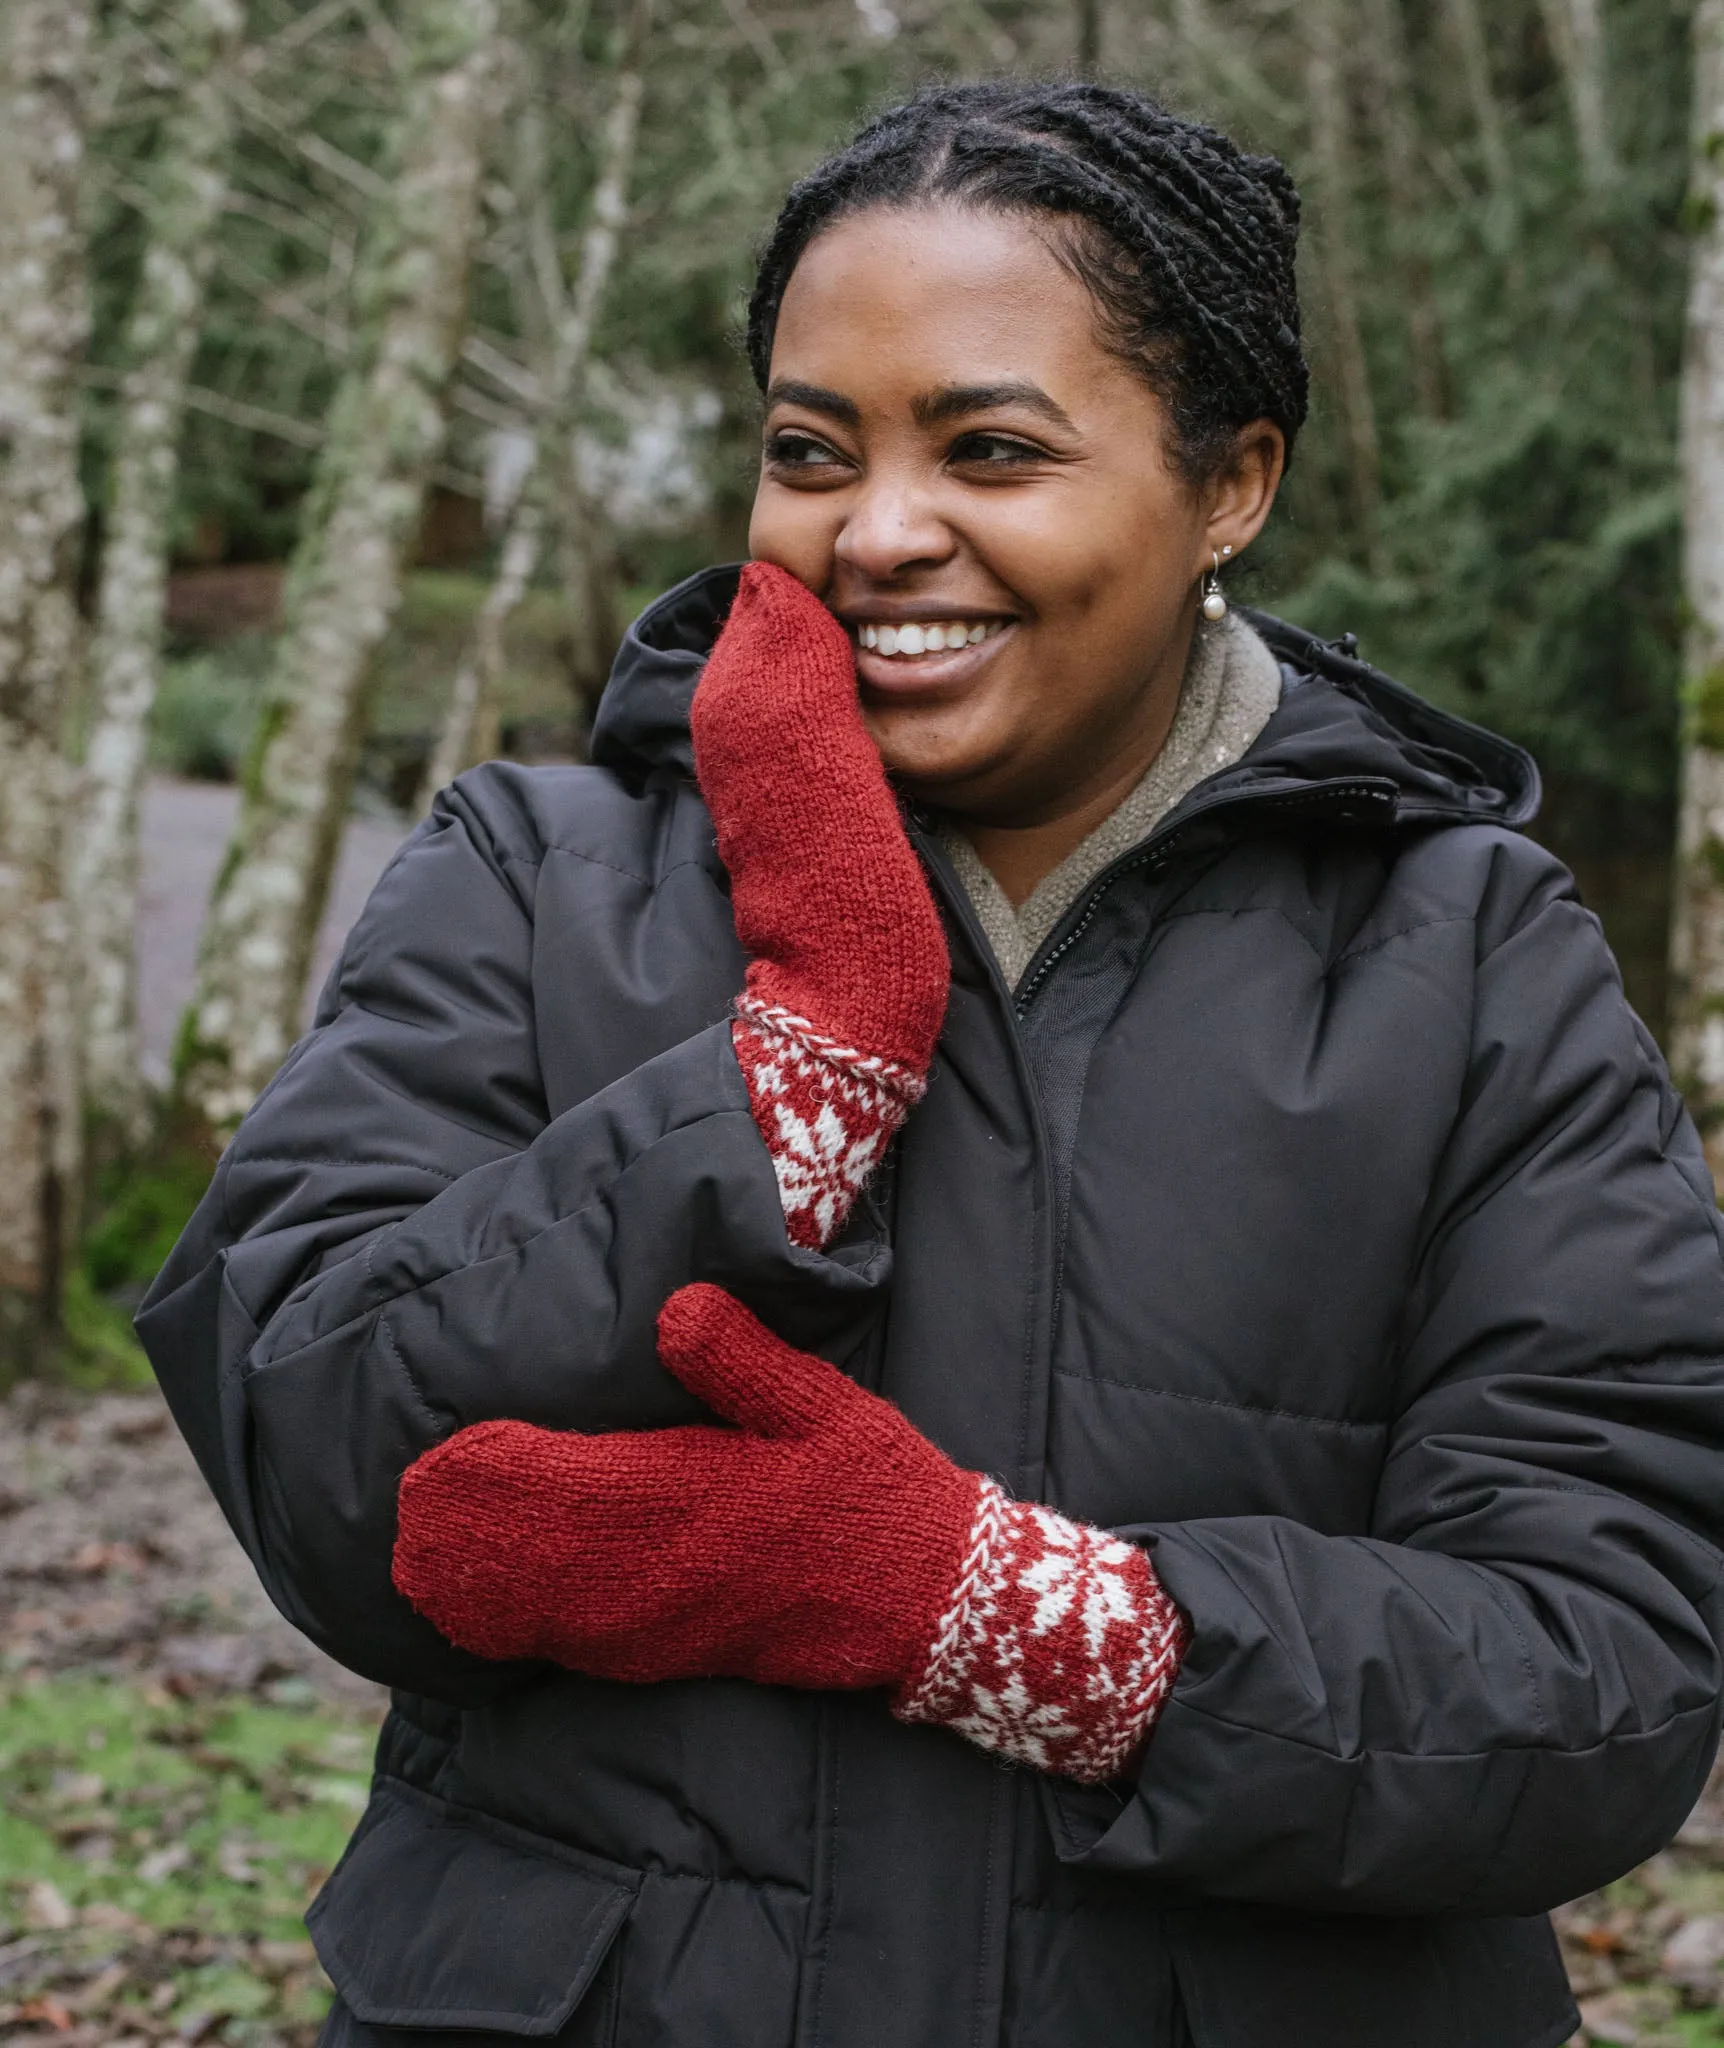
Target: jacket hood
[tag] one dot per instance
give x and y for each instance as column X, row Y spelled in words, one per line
column 1340, row 721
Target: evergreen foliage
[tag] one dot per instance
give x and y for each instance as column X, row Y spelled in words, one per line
column 1489, row 500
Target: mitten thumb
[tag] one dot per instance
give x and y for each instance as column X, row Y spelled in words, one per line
column 729, row 1359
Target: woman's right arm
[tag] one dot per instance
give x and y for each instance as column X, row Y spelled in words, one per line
column 400, row 1242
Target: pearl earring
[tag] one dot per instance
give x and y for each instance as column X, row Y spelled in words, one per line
column 1214, row 599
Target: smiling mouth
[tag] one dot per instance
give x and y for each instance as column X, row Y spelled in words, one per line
column 939, row 636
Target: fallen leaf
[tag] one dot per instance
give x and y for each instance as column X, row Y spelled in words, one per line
column 162, row 1863
column 36, row 2011
column 1606, row 2020
column 77, row 1788
column 45, row 1906
column 1696, row 1948
column 100, row 1989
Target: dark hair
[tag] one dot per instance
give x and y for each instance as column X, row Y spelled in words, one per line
column 1186, row 243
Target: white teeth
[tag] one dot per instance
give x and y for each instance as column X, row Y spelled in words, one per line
column 928, row 639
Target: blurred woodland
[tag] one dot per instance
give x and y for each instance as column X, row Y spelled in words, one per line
column 364, row 365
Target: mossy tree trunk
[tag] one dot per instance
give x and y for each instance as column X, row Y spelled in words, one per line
column 1575, row 30
column 385, row 431
column 1697, row 938
column 1388, row 76
column 43, row 327
column 1331, row 124
column 562, row 318
column 1466, row 26
column 586, row 556
column 185, row 186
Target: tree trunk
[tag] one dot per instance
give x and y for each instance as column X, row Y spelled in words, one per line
column 1467, row 26
column 43, row 326
column 1388, row 75
column 1088, row 36
column 1697, row 934
column 1333, row 181
column 564, row 321
column 187, row 186
column 1576, row 34
column 585, row 557
column 470, row 726
column 386, row 428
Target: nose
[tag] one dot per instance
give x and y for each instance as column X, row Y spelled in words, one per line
column 893, row 525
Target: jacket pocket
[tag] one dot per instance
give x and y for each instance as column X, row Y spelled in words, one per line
column 444, row 1918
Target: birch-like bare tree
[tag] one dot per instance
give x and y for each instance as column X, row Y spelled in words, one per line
column 1387, row 73
column 344, row 583
column 1466, row 26
column 1575, row 29
column 184, row 187
column 1697, row 936
column 1337, row 246
column 43, row 328
column 561, row 317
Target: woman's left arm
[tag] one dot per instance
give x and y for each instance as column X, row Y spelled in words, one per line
column 1507, row 1693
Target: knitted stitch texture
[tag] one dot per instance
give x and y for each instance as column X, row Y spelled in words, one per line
column 813, row 1544
column 821, row 1542
column 847, row 977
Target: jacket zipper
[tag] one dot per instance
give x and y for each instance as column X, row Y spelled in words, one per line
column 1158, row 850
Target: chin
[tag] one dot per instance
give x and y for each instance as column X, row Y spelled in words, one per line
column 936, row 744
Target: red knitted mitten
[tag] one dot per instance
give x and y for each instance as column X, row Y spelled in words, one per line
column 848, row 972
column 823, row 1542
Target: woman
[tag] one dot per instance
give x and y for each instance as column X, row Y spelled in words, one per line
column 1254, row 1546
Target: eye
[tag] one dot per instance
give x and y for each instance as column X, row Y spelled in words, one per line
column 995, row 451
column 789, row 450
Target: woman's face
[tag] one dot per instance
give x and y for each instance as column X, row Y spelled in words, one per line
column 950, row 450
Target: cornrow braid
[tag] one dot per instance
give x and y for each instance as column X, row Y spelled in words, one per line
column 1186, row 243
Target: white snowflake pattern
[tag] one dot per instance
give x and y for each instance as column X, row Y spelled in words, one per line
column 1058, row 1647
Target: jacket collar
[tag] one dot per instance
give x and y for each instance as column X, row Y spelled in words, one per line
column 1341, row 722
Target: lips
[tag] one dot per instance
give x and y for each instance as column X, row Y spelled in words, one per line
column 910, row 638
column 936, row 674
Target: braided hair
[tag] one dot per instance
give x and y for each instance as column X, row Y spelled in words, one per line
column 1185, row 243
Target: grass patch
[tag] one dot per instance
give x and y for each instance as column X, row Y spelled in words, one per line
column 101, row 1353
column 222, row 1817
column 156, row 1857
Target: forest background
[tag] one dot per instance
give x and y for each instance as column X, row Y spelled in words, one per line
column 366, row 364
column 365, row 368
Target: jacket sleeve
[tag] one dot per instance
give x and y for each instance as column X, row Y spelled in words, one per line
column 1506, row 1693
column 400, row 1241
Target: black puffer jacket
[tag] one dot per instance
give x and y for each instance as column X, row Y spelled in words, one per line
column 1319, row 1215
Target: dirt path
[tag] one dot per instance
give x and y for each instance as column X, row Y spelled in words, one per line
column 116, row 1560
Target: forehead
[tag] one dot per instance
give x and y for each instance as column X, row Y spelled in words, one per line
column 912, row 298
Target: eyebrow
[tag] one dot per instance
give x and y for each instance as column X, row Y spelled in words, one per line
column 790, row 391
column 931, row 408
column 958, row 401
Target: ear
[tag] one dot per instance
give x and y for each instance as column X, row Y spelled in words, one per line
column 1242, row 496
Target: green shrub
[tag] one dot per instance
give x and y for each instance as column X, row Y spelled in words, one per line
column 205, row 710
column 141, row 1212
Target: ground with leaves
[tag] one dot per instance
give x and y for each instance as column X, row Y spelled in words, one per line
column 179, row 1770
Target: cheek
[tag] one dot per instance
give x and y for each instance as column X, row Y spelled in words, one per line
column 1089, row 559
column 795, row 530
